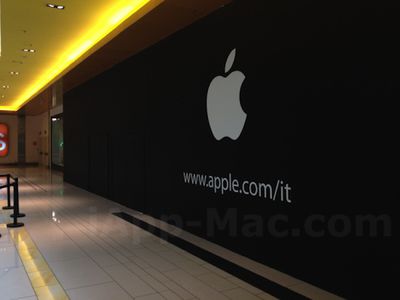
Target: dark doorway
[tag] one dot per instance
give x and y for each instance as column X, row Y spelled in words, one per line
column 57, row 142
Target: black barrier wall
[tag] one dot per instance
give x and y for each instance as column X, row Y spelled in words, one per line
column 291, row 168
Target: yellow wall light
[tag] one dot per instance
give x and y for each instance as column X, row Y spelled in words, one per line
column 106, row 26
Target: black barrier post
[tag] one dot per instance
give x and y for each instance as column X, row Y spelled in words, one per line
column 16, row 201
column 16, row 207
column 8, row 194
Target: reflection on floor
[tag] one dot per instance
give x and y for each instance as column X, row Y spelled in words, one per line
column 73, row 247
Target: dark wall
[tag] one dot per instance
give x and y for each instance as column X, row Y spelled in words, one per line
column 320, row 78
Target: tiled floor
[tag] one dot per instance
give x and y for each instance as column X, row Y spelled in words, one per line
column 95, row 255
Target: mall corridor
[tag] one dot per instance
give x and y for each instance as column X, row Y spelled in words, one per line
column 199, row 149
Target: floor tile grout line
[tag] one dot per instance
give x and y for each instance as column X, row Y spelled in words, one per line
column 92, row 285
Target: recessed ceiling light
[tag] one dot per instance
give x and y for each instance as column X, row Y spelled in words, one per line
column 29, row 50
column 55, row 6
column 14, row 73
column 6, row 86
column 2, row 96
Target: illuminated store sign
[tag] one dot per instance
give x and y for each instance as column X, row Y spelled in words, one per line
column 3, row 140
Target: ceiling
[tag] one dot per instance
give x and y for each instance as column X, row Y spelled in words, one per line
column 58, row 35
column 40, row 43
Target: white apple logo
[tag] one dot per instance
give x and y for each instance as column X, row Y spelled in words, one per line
column 225, row 114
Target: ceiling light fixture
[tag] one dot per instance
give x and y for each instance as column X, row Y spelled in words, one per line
column 6, row 86
column 14, row 73
column 55, row 6
column 29, row 50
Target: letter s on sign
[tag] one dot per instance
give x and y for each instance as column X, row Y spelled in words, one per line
column 3, row 140
column 3, row 145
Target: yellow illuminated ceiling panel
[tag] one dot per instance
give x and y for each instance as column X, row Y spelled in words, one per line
column 41, row 43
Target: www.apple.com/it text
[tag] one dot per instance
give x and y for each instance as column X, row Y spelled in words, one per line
column 280, row 191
